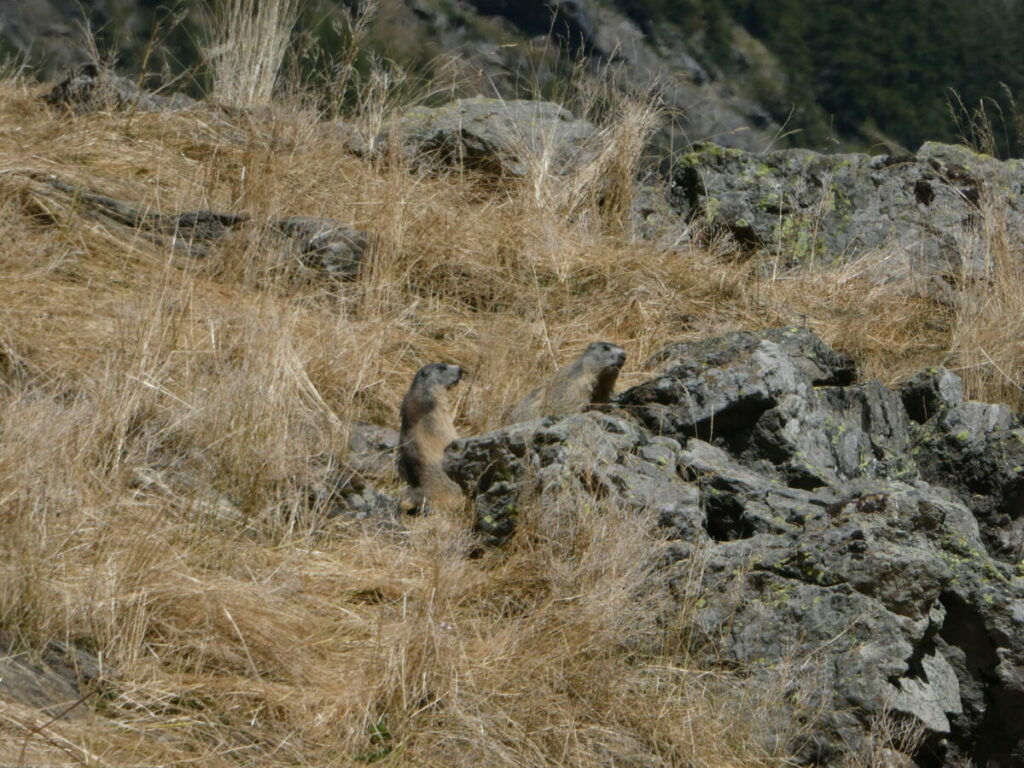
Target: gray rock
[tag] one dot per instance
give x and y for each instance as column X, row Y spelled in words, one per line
column 857, row 599
column 720, row 386
column 54, row 681
column 860, row 586
column 982, row 640
column 809, row 207
column 91, row 88
column 592, row 453
column 652, row 217
column 825, row 435
column 930, row 392
column 345, row 494
column 372, row 450
column 739, row 502
column 977, row 450
column 327, row 246
column 494, row 136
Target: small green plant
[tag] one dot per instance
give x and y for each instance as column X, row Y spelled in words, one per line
column 380, row 741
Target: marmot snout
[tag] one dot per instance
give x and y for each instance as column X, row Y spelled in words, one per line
column 427, row 429
column 587, row 380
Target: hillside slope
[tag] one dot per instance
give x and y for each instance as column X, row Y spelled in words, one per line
column 184, row 478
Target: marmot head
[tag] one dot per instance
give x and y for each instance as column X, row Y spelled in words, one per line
column 602, row 356
column 435, row 375
column 429, row 382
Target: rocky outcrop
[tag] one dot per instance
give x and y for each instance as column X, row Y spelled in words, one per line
column 976, row 449
column 809, row 207
column 91, row 88
column 326, row 248
column 851, row 543
column 492, row 135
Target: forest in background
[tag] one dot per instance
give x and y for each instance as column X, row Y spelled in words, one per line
column 871, row 69
column 839, row 75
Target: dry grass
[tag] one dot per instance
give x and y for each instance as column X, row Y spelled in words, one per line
column 988, row 331
column 248, row 43
column 161, row 417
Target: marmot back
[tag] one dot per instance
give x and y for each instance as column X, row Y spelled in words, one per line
column 587, row 380
column 427, row 429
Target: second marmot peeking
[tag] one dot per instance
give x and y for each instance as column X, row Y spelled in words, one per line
column 586, row 381
column 427, row 429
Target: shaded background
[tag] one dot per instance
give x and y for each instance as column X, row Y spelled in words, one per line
column 853, row 75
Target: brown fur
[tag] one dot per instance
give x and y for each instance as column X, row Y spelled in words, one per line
column 427, row 429
column 588, row 380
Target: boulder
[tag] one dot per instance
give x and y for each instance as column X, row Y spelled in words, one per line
column 92, row 88
column 852, row 597
column 495, row 136
column 804, row 207
column 326, row 246
column 762, row 395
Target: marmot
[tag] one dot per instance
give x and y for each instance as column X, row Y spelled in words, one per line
column 427, row 429
column 587, row 380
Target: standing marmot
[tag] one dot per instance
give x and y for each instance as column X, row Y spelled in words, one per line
column 587, row 380
column 427, row 429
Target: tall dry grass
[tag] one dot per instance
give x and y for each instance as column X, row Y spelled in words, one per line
column 163, row 416
column 988, row 327
column 246, row 49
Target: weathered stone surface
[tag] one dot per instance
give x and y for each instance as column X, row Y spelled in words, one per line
column 495, row 136
column 825, row 435
column 53, row 682
column 977, row 449
column 839, row 554
column 738, row 502
column 600, row 454
column 930, row 392
column 345, row 494
column 327, row 246
column 814, row 359
column 91, row 88
column 372, row 449
column 805, row 206
column 653, row 218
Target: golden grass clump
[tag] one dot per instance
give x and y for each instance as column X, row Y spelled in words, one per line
column 247, row 47
column 163, row 415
